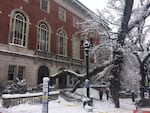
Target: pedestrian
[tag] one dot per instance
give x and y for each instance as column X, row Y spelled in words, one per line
column 101, row 94
column 107, row 94
column 133, row 96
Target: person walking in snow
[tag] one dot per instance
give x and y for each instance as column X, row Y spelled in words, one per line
column 101, row 94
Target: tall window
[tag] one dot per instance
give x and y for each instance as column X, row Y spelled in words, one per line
column 45, row 4
column 76, row 47
column 11, row 72
column 75, row 22
column 18, row 29
column 43, row 37
column 21, row 70
column 62, row 44
column 62, row 14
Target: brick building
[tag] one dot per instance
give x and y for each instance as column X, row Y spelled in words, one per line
column 37, row 39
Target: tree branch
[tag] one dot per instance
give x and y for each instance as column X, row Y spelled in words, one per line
column 125, row 21
column 143, row 17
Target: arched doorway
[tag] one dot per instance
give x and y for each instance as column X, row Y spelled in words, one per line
column 42, row 72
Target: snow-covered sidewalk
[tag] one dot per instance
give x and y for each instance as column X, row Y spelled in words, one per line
column 60, row 105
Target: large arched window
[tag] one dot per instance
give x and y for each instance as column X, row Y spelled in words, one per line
column 43, row 37
column 75, row 47
column 19, row 28
column 62, row 42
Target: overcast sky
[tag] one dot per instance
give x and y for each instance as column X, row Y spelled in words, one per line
column 94, row 4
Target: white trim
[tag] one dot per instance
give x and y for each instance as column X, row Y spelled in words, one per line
column 48, row 36
column 61, row 30
column 75, row 47
column 13, row 15
column 62, row 14
column 72, row 9
column 75, row 22
column 16, row 71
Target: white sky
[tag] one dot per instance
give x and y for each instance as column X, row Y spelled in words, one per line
column 94, row 4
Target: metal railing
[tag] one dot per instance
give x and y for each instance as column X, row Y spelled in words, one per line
column 9, row 100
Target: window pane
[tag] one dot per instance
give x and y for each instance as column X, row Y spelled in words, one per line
column 43, row 37
column 61, row 43
column 11, row 72
column 62, row 14
column 76, row 47
column 44, row 5
column 18, row 32
column 21, row 70
column 75, row 22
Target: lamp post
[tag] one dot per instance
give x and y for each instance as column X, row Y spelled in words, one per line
column 86, row 46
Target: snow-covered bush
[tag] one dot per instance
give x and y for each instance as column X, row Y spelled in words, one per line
column 18, row 86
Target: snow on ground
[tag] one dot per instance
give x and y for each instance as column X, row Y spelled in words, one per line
column 60, row 105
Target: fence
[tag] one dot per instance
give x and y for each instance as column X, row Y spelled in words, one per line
column 34, row 98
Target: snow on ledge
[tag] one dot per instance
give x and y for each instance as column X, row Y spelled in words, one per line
column 28, row 94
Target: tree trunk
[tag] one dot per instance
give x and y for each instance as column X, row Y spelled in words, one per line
column 142, row 81
column 143, row 70
column 125, row 20
column 115, row 83
column 115, row 80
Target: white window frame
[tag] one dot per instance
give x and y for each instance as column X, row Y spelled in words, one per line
column 76, row 47
column 11, row 71
column 21, row 72
column 43, row 44
column 16, row 71
column 47, row 7
column 75, row 22
column 62, row 46
column 62, row 14
column 19, row 33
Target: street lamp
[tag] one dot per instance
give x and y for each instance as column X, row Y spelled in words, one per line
column 87, row 46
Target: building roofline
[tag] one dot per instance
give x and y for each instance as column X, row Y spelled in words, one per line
column 88, row 11
column 82, row 6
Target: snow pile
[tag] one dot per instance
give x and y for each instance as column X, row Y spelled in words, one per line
column 63, row 106
column 60, row 105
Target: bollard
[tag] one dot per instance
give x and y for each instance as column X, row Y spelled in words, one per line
column 45, row 95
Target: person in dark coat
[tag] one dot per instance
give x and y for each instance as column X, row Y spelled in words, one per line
column 101, row 94
column 107, row 94
column 133, row 96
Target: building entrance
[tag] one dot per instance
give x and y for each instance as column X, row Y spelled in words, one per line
column 42, row 72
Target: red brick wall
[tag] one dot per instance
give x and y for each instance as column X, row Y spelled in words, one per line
column 32, row 9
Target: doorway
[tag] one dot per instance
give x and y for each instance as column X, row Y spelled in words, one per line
column 42, row 72
column 62, row 81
